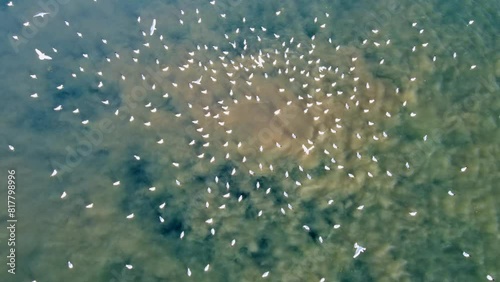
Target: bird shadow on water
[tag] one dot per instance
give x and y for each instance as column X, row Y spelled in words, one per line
column 126, row 275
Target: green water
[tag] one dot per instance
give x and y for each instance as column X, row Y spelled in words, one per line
column 455, row 128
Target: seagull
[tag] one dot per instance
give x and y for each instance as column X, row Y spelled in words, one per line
column 359, row 250
column 42, row 14
column 153, row 27
column 197, row 81
column 307, row 150
column 42, row 56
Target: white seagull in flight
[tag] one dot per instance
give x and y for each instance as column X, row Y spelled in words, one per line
column 359, row 250
column 153, row 27
column 42, row 56
column 42, row 14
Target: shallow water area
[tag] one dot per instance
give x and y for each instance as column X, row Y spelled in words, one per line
column 248, row 141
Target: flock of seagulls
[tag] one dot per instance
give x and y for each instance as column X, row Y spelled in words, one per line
column 254, row 100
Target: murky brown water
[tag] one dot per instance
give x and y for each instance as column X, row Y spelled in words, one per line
column 284, row 155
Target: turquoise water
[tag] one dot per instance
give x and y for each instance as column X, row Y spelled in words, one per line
column 398, row 98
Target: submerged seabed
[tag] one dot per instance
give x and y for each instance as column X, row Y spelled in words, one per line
column 314, row 126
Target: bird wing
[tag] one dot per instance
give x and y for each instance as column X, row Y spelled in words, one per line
column 153, row 27
column 38, row 52
column 305, row 149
